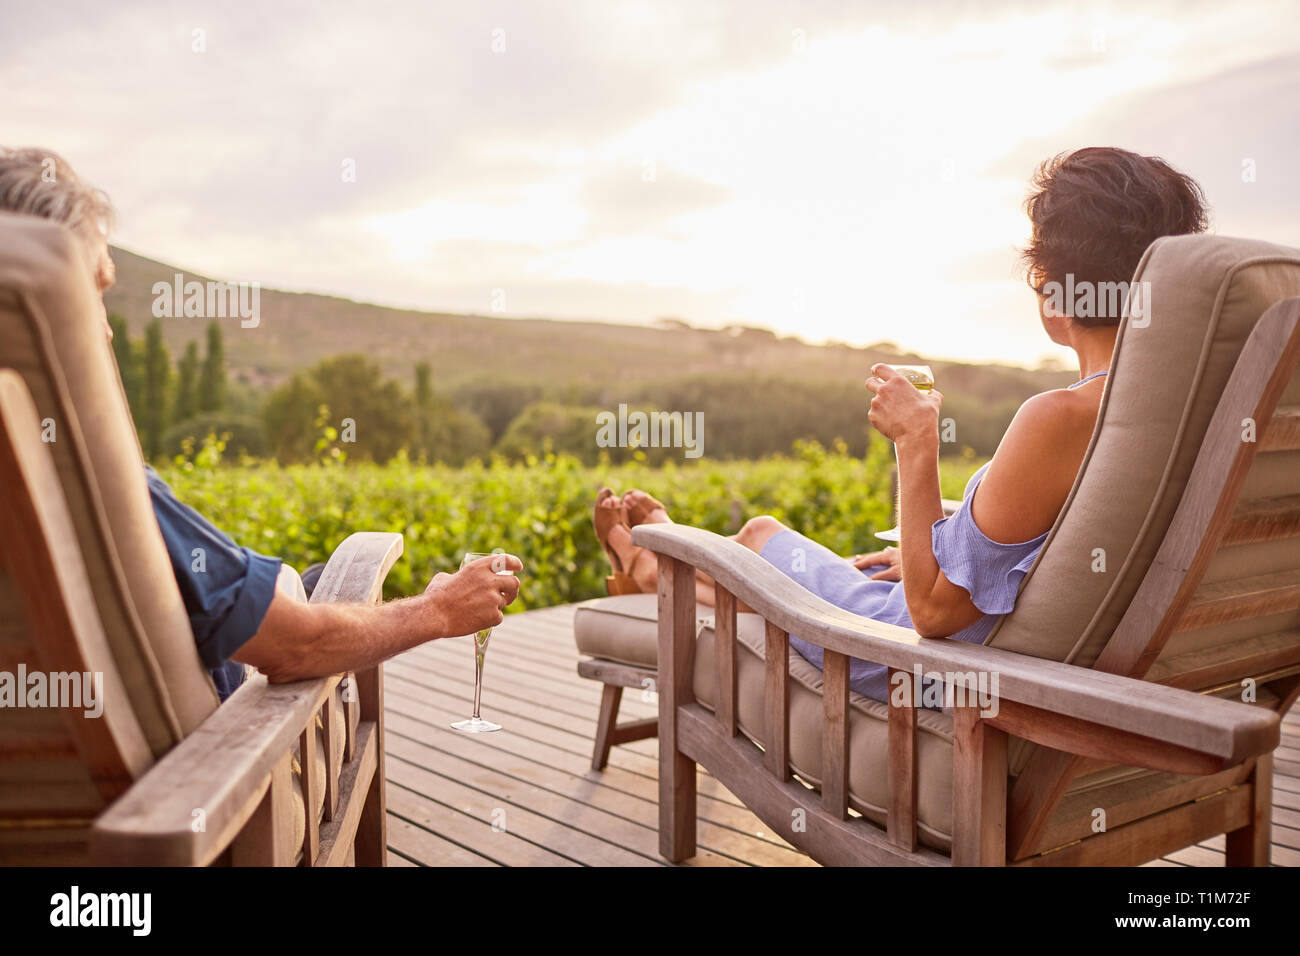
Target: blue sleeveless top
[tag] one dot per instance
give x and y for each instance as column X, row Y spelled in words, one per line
column 990, row 571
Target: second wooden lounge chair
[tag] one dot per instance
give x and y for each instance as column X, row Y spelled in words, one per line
column 277, row 774
column 1174, row 563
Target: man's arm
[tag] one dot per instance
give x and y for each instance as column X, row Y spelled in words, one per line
column 297, row 641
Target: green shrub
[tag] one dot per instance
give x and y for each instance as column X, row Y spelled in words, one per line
column 538, row 508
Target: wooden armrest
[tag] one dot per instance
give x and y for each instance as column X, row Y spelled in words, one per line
column 357, row 568
column 1220, row 732
column 218, row 774
column 221, row 771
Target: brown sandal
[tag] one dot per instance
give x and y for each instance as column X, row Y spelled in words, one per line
column 637, row 514
column 604, row 520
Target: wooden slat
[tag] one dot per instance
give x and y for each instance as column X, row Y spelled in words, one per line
column 1282, row 433
column 562, row 787
column 677, row 799
column 979, row 790
column 265, row 839
column 901, row 820
column 610, row 672
column 1208, row 667
column 311, row 785
column 331, row 719
column 1155, row 836
column 740, row 766
column 1224, row 601
column 835, row 735
column 337, row 835
column 371, row 841
column 1249, row 845
column 724, row 649
column 1263, row 519
column 776, row 696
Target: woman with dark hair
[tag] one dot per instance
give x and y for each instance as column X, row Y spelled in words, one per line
column 1094, row 212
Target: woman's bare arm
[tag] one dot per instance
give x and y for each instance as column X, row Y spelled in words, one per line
column 1018, row 499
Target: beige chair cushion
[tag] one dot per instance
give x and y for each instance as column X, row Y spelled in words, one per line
column 868, row 732
column 622, row 629
column 51, row 333
column 1207, row 293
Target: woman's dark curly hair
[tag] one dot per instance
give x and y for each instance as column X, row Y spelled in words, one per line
column 1095, row 211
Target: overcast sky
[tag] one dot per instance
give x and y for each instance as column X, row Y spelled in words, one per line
column 846, row 171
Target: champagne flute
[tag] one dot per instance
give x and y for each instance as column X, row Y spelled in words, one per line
column 475, row 724
column 922, row 378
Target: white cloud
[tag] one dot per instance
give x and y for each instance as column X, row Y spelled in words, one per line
column 859, row 179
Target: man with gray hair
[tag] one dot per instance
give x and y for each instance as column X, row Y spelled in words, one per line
column 237, row 614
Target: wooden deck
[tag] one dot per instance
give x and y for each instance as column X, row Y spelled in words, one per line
column 527, row 796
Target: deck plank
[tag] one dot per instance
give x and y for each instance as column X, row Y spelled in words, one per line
column 443, row 786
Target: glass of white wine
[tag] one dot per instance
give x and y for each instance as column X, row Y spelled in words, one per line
column 476, row 724
column 922, row 377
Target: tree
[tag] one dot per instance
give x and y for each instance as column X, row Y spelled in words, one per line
column 157, row 370
column 289, row 417
column 373, row 415
column 187, row 384
column 424, row 410
column 128, row 361
column 212, row 377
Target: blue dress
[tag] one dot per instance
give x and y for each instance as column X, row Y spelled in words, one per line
column 990, row 570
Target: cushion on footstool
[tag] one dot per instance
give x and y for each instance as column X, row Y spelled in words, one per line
column 623, row 629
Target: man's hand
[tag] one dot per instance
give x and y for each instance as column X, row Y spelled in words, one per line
column 297, row 640
column 476, row 596
column 890, row 556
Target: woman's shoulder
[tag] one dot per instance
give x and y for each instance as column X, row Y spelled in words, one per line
column 1045, row 416
column 1035, row 464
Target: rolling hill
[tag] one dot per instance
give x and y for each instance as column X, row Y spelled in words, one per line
column 298, row 329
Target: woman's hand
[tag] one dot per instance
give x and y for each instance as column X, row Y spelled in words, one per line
column 890, row 556
column 900, row 411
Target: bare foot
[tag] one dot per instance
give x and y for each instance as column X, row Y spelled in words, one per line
column 647, row 508
column 640, row 563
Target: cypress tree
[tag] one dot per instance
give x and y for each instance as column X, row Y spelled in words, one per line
column 187, row 384
column 157, row 370
column 128, row 367
column 424, row 410
column 212, row 378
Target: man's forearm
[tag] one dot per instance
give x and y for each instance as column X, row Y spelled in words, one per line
column 298, row 641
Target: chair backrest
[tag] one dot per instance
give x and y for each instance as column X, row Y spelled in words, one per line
column 52, row 336
column 1204, row 297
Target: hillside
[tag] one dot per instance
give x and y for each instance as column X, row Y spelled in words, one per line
column 298, row 329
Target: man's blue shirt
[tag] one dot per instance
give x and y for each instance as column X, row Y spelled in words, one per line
column 226, row 589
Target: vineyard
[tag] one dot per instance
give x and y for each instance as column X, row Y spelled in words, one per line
column 539, row 509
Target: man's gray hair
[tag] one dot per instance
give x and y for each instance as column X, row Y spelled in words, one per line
column 41, row 183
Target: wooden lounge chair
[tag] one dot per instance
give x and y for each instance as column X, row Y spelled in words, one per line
column 1167, row 593
column 619, row 637
column 277, row 774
